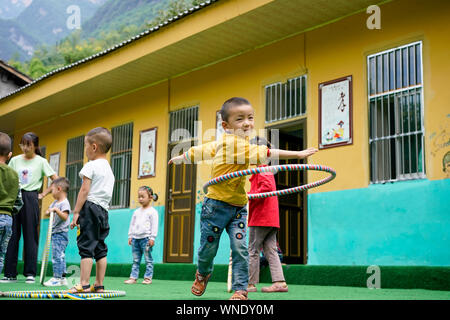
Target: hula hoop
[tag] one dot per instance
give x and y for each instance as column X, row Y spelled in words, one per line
column 46, row 252
column 275, row 169
column 62, row 294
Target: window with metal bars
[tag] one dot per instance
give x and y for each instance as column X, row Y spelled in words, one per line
column 396, row 132
column 183, row 124
column 286, row 100
column 122, row 144
column 74, row 164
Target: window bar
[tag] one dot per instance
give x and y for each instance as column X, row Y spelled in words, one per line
column 412, row 65
column 285, row 100
column 389, row 133
column 409, row 136
column 300, row 80
column 270, row 103
column 383, row 169
column 376, row 136
column 290, row 98
column 275, row 105
column 385, row 73
column 399, row 69
column 416, row 103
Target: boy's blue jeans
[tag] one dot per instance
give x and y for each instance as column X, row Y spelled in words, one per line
column 140, row 247
column 217, row 216
column 5, row 235
column 59, row 244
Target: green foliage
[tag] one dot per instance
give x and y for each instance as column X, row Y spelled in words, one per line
column 75, row 47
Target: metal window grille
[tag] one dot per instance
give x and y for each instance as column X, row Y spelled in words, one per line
column 396, row 138
column 122, row 144
column 74, row 164
column 183, row 124
column 286, row 100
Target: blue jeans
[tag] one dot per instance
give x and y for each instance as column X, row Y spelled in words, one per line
column 217, row 216
column 59, row 244
column 5, row 235
column 140, row 247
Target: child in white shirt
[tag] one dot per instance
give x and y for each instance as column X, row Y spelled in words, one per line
column 142, row 233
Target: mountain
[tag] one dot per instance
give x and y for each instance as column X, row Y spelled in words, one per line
column 116, row 14
column 46, row 20
column 14, row 39
column 10, row 9
column 38, row 22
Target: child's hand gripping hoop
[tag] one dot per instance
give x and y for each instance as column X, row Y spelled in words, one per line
column 275, row 169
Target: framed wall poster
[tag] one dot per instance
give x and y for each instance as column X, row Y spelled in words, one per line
column 219, row 128
column 335, row 113
column 53, row 160
column 147, row 153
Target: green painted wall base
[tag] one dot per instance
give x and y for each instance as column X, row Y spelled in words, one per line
column 405, row 223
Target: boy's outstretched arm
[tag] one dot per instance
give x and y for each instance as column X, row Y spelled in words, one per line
column 288, row 154
column 81, row 199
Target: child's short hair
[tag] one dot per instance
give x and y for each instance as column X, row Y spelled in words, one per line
column 231, row 103
column 62, row 182
column 261, row 141
column 5, row 144
column 149, row 190
column 102, row 137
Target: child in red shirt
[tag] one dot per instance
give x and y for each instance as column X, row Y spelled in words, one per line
column 263, row 223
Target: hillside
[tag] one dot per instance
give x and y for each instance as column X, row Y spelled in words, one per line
column 41, row 22
column 46, row 20
column 14, row 39
column 10, row 9
column 116, row 14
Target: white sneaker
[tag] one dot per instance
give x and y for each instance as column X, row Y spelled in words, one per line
column 8, row 280
column 64, row 282
column 30, row 279
column 53, row 282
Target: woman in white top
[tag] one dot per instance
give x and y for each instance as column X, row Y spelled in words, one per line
column 142, row 233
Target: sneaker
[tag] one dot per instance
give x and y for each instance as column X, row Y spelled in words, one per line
column 53, row 282
column 147, row 281
column 30, row 279
column 8, row 280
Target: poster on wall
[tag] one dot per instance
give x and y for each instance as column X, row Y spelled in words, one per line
column 147, row 153
column 54, row 163
column 219, row 128
column 335, row 113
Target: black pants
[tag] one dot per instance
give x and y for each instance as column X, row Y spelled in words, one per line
column 28, row 220
column 94, row 228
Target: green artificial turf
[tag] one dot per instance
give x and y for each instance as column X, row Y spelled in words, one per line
column 392, row 277
column 180, row 290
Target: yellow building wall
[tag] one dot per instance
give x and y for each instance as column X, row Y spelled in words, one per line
column 324, row 54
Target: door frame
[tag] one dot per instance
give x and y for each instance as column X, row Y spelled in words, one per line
column 301, row 123
column 170, row 146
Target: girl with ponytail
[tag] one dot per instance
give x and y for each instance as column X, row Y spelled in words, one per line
column 142, row 233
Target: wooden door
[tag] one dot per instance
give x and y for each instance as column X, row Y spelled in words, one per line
column 292, row 234
column 180, row 211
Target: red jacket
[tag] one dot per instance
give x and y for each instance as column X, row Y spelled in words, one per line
column 263, row 212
